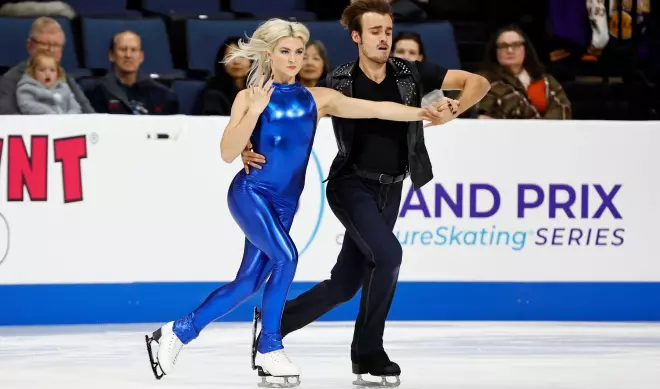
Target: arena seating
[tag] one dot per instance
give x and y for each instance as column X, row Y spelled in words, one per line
column 13, row 35
column 181, row 38
column 204, row 37
column 187, row 8
column 264, row 9
column 110, row 8
column 187, row 92
column 97, row 34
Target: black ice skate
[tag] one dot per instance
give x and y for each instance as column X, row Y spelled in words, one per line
column 169, row 347
column 276, row 364
column 378, row 365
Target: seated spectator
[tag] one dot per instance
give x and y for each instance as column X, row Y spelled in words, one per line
column 316, row 64
column 220, row 90
column 520, row 87
column 123, row 90
column 45, row 34
column 43, row 89
column 409, row 45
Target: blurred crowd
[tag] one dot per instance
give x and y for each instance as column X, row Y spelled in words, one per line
column 526, row 83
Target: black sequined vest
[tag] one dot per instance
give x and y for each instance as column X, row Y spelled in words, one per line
column 410, row 89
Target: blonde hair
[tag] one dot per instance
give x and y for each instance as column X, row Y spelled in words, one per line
column 263, row 40
column 38, row 59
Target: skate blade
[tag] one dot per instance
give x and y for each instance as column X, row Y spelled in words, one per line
column 155, row 366
column 270, row 381
column 279, row 381
column 255, row 320
column 384, row 383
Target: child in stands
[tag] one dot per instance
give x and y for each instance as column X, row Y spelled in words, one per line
column 43, row 88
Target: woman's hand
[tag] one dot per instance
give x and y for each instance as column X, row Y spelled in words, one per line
column 259, row 96
column 447, row 103
column 441, row 112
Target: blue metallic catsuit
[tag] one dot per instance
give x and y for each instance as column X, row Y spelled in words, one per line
column 263, row 204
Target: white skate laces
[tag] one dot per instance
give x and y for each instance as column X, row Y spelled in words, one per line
column 169, row 348
column 279, row 356
column 277, row 364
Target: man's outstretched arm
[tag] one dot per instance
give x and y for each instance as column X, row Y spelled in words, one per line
column 473, row 87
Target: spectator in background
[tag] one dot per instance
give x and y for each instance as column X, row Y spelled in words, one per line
column 520, row 88
column 408, row 45
column 316, row 64
column 123, row 90
column 43, row 89
column 220, row 90
column 45, row 34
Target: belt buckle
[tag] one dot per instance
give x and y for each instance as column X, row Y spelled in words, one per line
column 380, row 178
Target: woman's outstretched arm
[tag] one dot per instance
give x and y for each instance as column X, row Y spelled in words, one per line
column 330, row 102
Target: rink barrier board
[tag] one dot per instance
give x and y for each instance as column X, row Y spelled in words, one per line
column 125, row 220
column 51, row 304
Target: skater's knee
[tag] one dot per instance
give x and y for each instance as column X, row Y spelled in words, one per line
column 247, row 285
column 346, row 292
column 388, row 253
column 288, row 256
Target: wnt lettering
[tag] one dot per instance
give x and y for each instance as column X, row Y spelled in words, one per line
column 31, row 171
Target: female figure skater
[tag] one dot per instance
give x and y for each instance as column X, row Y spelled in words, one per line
column 279, row 116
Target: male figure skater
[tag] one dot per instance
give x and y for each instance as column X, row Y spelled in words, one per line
column 365, row 181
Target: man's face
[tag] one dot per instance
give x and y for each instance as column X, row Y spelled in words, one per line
column 375, row 42
column 51, row 40
column 127, row 55
column 408, row 49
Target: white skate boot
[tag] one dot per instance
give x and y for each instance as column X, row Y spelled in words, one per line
column 275, row 364
column 169, row 347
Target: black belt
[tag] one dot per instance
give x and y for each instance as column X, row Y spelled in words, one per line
column 380, row 177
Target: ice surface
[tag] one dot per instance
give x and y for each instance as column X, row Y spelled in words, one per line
column 470, row 355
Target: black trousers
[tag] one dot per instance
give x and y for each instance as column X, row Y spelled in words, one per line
column 370, row 259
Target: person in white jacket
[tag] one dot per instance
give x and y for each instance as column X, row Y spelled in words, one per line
column 600, row 34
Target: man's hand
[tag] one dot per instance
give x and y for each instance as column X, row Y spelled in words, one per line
column 250, row 158
column 443, row 111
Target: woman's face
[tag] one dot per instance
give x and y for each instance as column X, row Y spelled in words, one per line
column 313, row 64
column 237, row 67
column 408, row 49
column 510, row 49
column 287, row 57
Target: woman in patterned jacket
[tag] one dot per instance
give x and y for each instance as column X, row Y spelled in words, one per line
column 520, row 87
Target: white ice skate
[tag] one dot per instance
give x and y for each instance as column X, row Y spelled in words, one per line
column 169, row 347
column 275, row 364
